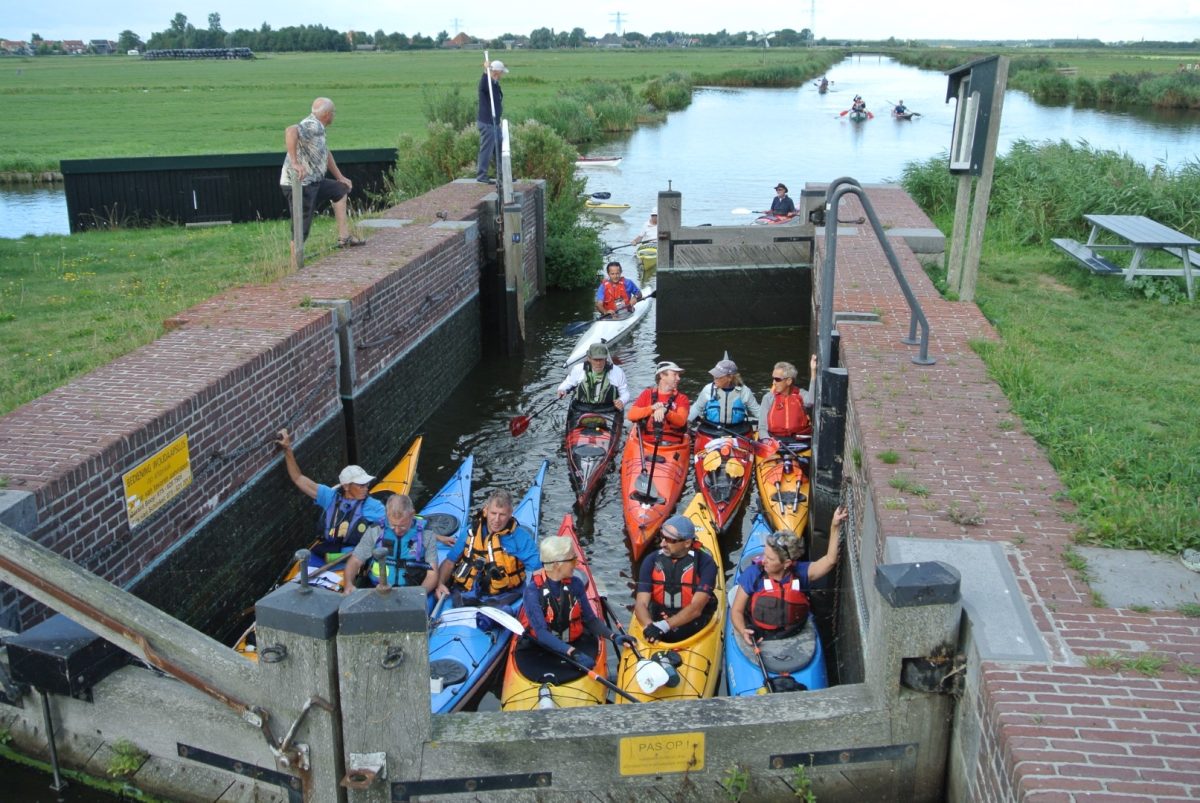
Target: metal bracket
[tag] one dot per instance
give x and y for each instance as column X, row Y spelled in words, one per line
column 364, row 770
column 406, row 790
column 292, row 785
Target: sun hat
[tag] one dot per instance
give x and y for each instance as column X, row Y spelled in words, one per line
column 781, row 186
column 653, row 213
column 598, row 350
column 354, row 475
column 666, row 365
column 498, row 66
column 555, row 549
column 724, row 368
column 680, row 524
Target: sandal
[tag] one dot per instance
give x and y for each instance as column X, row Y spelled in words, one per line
column 350, row 242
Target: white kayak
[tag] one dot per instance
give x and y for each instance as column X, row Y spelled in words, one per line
column 609, row 330
column 598, row 161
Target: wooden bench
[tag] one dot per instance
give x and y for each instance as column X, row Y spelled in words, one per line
column 1087, row 257
column 1192, row 253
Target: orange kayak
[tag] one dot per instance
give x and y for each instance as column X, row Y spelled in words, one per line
column 650, row 490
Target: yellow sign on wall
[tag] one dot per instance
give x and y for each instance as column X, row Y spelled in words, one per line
column 157, row 480
column 667, row 752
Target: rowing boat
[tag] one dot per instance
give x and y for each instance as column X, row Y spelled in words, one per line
column 699, row 656
column 799, row 658
column 723, row 467
column 593, row 435
column 536, row 678
column 605, row 208
column 649, row 498
column 462, row 656
column 598, row 161
column 783, row 486
column 610, row 328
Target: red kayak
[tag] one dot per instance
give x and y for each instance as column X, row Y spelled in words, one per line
column 650, row 490
column 592, row 439
column 770, row 219
column 724, row 468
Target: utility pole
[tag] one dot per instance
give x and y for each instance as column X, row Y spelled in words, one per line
column 616, row 17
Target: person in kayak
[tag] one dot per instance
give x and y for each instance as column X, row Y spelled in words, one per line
column 662, row 405
column 773, row 590
column 412, row 553
column 347, row 510
column 598, row 384
column 649, row 232
column 859, row 105
column 557, row 614
column 785, row 407
column 900, row 109
column 616, row 293
column 488, row 563
column 782, row 205
column 726, row 400
column 675, row 590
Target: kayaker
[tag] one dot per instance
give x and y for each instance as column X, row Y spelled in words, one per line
column 616, row 293
column 347, row 509
column 557, row 613
column 487, row 120
column 675, row 596
column 404, row 537
column 859, row 105
column 773, row 590
column 662, row 404
column 782, row 205
column 599, row 384
column 649, row 230
column 900, row 109
column 726, row 400
column 785, row 407
column 489, row 563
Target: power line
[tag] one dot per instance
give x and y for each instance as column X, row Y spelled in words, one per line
column 617, row 17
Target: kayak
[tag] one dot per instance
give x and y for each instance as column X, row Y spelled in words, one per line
column 783, row 487
column 646, row 508
column 535, row 678
column 647, row 257
column 448, row 513
column 609, row 329
column 770, row 219
column 597, row 161
column 799, row 657
column 699, row 656
column 605, row 208
column 903, row 115
column 593, row 436
column 724, row 466
column 462, row 656
column 858, row 117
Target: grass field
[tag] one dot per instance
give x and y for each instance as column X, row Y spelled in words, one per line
column 1095, row 64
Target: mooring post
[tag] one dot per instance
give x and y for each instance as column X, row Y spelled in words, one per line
column 514, row 271
column 297, row 219
column 383, row 655
column 670, row 218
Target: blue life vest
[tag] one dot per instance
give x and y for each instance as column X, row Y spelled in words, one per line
column 718, row 408
column 408, row 547
column 342, row 527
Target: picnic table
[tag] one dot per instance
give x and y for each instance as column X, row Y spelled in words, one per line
column 1140, row 235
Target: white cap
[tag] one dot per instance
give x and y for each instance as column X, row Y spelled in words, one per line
column 354, row 475
column 667, row 365
column 498, row 66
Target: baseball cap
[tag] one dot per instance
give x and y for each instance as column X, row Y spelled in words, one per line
column 681, row 525
column 724, row 368
column 354, row 475
column 666, row 365
column 498, row 66
column 598, row 350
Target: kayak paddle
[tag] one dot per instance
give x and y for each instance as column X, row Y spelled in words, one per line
column 643, row 486
column 521, row 423
column 651, row 673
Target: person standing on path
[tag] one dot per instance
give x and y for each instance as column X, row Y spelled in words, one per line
column 491, row 109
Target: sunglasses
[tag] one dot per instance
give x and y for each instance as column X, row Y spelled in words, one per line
column 669, row 536
column 779, row 379
column 571, row 559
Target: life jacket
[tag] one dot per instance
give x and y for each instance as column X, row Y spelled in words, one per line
column 408, row 547
column 787, row 417
column 721, row 410
column 486, row 564
column 673, row 583
column 595, row 388
column 341, row 527
column 563, row 614
column 616, row 296
column 670, row 432
column 780, row 608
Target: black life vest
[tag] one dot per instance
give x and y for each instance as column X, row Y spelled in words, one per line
column 673, row 582
column 595, row 388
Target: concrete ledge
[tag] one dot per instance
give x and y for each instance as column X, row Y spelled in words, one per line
column 383, row 223
column 921, row 241
column 18, row 510
column 1129, row 577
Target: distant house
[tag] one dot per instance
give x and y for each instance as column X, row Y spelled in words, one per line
column 12, row 47
column 102, row 47
column 74, row 46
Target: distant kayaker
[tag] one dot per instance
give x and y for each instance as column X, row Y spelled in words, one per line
column 726, row 400
column 347, row 510
column 412, row 553
column 675, row 590
column 616, row 293
column 649, row 232
column 785, row 407
column 488, row 564
column 491, row 109
column 663, row 405
column 773, row 590
column 859, row 105
column 900, row 109
column 782, row 205
column 557, row 613
column 599, row 384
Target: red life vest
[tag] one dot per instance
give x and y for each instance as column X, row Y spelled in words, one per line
column 616, row 296
column 780, row 608
column 673, row 582
column 563, row 615
column 787, row 417
column 670, row 432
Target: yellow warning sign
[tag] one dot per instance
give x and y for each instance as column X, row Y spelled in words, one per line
column 668, row 752
column 157, row 480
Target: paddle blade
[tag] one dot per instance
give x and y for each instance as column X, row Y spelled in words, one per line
column 518, row 425
column 504, row 619
column 741, row 210
column 843, row 114
column 734, row 469
column 576, row 328
column 766, row 448
column 711, row 461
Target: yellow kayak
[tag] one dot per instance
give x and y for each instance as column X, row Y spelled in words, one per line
column 783, row 488
column 647, row 256
column 605, row 208
column 699, row 657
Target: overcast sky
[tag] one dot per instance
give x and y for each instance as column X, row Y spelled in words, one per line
column 1109, row 20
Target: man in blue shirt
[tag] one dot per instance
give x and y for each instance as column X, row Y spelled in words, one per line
column 491, row 109
column 489, row 563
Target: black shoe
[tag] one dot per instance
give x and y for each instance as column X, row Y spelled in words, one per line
column 486, row 180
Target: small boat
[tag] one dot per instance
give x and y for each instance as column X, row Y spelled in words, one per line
column 699, row 656
column 723, row 466
column 783, row 486
column 535, row 678
column 903, row 115
column 859, row 117
column 598, row 161
column 609, row 329
column 461, row 656
column 647, row 257
column 646, row 512
column 593, row 435
column 771, row 219
column 605, row 207
column 799, row 657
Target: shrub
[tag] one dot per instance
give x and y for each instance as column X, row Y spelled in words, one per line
column 422, row 165
column 672, row 92
column 448, row 106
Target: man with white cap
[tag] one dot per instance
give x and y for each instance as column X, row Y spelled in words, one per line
column 597, row 382
column 491, row 109
column 348, row 511
column 675, row 590
column 725, row 400
column 662, row 408
column 649, row 231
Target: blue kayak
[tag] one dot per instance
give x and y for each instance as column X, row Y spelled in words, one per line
column 448, row 512
column 461, row 656
column 797, row 661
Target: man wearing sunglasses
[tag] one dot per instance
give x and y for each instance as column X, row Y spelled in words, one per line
column 675, row 586
column 785, row 407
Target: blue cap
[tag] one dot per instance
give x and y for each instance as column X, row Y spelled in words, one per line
column 680, row 524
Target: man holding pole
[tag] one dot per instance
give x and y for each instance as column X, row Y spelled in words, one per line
column 491, row 109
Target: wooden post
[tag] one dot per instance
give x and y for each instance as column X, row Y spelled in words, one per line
column 670, row 217
column 514, row 262
column 958, row 238
column 983, row 189
column 297, row 220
